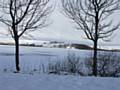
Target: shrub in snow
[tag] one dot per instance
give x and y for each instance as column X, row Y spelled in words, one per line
column 108, row 64
column 70, row 65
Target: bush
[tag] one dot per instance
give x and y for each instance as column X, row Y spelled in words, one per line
column 70, row 65
column 108, row 64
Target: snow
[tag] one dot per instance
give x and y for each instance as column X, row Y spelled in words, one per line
column 32, row 58
column 10, row 81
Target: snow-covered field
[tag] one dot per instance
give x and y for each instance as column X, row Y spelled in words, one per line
column 33, row 58
column 55, row 82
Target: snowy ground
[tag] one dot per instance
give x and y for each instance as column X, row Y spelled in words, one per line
column 54, row 82
column 32, row 58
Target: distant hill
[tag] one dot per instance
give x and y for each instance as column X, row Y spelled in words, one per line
column 55, row 44
column 52, row 45
column 7, row 43
column 82, row 46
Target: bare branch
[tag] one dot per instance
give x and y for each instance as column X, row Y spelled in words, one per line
column 89, row 15
column 23, row 16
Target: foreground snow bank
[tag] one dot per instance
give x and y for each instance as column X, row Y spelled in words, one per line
column 54, row 82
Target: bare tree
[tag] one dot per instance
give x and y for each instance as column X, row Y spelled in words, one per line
column 23, row 16
column 92, row 17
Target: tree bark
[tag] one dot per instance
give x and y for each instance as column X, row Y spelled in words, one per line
column 17, row 54
column 95, row 45
column 95, row 59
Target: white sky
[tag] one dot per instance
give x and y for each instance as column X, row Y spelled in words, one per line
column 63, row 29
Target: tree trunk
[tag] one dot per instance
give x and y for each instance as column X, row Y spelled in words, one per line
column 95, row 44
column 95, row 59
column 17, row 54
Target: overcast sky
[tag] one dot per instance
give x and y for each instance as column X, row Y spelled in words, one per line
column 63, row 29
